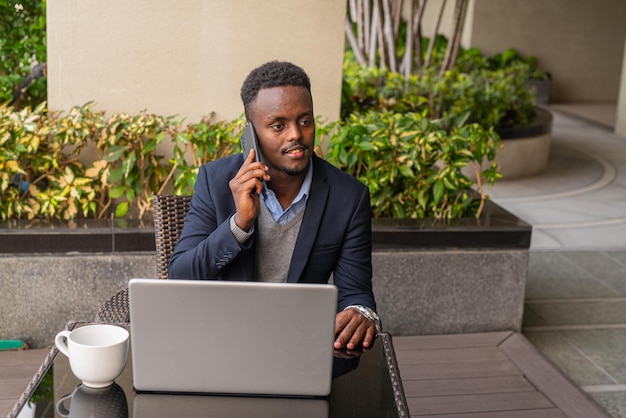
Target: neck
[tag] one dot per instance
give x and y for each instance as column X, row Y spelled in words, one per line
column 286, row 187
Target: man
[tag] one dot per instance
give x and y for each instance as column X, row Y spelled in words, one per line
column 291, row 218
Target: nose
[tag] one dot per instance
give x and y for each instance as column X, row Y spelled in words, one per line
column 293, row 132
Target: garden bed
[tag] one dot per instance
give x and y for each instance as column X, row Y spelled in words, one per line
column 467, row 275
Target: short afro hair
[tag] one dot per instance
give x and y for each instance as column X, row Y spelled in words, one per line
column 272, row 74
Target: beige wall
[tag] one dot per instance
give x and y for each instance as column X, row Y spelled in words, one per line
column 187, row 57
column 580, row 42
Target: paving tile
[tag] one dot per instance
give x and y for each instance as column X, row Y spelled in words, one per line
column 568, row 169
column 604, row 267
column 542, row 239
column 577, row 207
column 588, row 238
column 567, row 358
column 531, row 319
column 605, row 347
column 620, row 256
column 613, row 402
column 552, row 276
column 580, row 313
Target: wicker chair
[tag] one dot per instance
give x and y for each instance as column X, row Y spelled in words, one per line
column 169, row 218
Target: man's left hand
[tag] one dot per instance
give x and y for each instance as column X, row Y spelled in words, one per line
column 352, row 329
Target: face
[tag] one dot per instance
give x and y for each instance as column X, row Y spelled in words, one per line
column 285, row 126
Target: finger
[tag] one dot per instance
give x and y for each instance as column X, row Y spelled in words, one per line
column 250, row 157
column 340, row 326
column 350, row 329
column 340, row 321
column 370, row 334
column 357, row 337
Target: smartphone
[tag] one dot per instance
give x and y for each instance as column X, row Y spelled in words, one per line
column 249, row 141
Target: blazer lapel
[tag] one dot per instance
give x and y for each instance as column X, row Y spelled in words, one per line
column 315, row 206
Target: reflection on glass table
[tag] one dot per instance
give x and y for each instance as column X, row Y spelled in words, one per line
column 364, row 385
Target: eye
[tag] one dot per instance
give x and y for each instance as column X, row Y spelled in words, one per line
column 277, row 126
column 306, row 122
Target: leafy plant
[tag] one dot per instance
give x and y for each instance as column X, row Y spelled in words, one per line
column 43, row 175
column 412, row 167
column 130, row 169
column 22, row 45
column 199, row 143
column 38, row 176
column 478, row 95
column 511, row 57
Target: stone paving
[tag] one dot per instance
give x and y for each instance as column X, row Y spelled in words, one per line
column 575, row 306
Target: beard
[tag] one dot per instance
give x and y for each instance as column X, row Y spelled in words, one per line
column 295, row 172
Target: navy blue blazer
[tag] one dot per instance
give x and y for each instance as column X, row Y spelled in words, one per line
column 335, row 235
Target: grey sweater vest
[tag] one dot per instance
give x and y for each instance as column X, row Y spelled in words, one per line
column 275, row 244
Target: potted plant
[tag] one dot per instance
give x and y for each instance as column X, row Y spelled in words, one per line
column 403, row 71
column 432, row 269
column 537, row 78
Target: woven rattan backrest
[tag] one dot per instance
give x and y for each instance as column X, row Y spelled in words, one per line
column 169, row 218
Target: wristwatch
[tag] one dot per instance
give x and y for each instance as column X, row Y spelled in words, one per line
column 369, row 314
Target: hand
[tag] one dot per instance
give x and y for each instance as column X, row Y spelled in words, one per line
column 246, row 187
column 347, row 354
column 352, row 329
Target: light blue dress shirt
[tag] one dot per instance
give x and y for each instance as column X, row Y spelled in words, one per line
column 299, row 203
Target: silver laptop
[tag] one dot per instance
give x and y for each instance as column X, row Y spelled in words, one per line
column 166, row 406
column 246, row 338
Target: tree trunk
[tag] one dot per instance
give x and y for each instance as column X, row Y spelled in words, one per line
column 458, row 33
column 431, row 44
column 389, row 38
column 407, row 60
column 447, row 59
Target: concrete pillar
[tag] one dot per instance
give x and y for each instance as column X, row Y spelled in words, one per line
column 620, row 123
column 187, row 57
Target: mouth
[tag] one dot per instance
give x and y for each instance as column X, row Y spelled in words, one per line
column 295, row 152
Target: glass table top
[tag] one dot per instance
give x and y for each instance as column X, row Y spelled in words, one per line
column 366, row 385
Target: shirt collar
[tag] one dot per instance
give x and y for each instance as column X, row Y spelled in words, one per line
column 306, row 184
column 303, row 194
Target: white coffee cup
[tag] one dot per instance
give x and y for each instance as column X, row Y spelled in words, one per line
column 109, row 402
column 97, row 353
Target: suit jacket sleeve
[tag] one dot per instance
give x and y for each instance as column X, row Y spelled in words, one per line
column 207, row 248
column 353, row 272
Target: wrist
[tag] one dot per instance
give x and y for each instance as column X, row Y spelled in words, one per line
column 240, row 235
column 245, row 227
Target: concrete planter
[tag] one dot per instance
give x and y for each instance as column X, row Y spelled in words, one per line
column 524, row 150
column 465, row 276
column 541, row 89
column 429, row 278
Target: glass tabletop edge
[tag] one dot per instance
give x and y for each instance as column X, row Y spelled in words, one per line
column 39, row 375
column 394, row 372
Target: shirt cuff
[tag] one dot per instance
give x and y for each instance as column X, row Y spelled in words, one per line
column 240, row 235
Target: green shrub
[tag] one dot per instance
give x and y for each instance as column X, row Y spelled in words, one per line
column 34, row 156
column 23, row 43
column 199, row 143
column 511, row 57
column 130, row 169
column 488, row 97
column 42, row 173
column 411, row 165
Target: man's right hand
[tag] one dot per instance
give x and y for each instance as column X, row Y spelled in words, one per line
column 246, row 187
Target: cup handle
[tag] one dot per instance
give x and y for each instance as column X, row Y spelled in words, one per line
column 61, row 342
column 61, row 409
